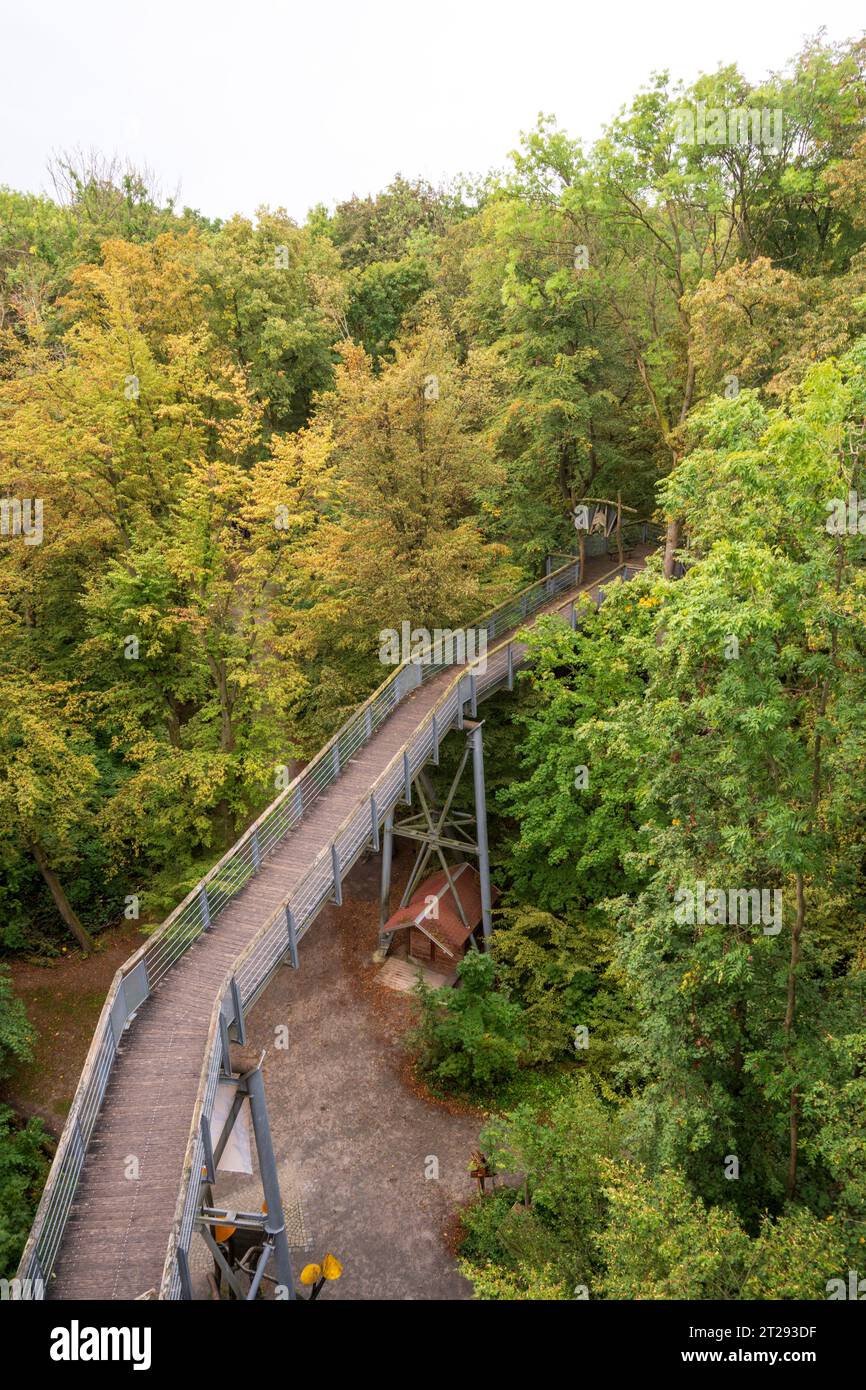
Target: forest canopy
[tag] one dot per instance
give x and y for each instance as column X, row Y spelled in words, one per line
column 231, row 471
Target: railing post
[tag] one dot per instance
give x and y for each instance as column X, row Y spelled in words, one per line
column 183, row 1271
column 573, row 616
column 299, row 802
column 374, row 821
column 293, row 937
column 407, row 778
column 226, row 1045
column 239, row 1012
column 336, row 758
column 335, row 866
column 510, row 653
column 257, row 854
column 207, row 1145
column 79, row 1140
column 473, row 694
column 205, row 909
column 368, row 723
column 116, row 1028
column 435, row 754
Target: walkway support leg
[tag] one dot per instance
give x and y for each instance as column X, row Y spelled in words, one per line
column 385, row 893
column 275, row 1224
column 481, row 832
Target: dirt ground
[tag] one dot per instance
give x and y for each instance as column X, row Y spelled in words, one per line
column 63, row 999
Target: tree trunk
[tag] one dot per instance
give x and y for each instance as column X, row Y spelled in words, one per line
column 64, row 906
column 227, row 739
column 672, row 540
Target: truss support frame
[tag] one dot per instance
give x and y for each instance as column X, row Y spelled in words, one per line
column 436, row 828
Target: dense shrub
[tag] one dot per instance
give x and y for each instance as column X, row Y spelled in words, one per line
column 468, row 1038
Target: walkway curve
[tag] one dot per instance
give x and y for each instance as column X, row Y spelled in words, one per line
column 117, row 1214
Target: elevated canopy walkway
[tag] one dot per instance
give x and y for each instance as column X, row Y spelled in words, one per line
column 147, row 1089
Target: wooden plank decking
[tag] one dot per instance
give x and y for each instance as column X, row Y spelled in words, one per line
column 115, row 1241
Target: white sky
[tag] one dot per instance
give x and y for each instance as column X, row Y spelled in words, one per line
column 270, row 101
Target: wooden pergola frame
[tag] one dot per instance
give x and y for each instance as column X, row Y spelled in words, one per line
column 603, row 502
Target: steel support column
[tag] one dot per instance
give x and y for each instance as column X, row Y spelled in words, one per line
column 436, row 828
column 275, row 1224
column 481, row 830
column 385, row 894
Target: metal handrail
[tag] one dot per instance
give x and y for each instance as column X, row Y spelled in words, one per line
column 140, row 974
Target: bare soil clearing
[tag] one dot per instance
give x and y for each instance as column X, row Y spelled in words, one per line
column 63, row 1000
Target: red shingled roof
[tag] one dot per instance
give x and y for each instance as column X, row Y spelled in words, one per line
column 440, row 919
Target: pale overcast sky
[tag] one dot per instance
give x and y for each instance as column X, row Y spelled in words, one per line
column 268, row 101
